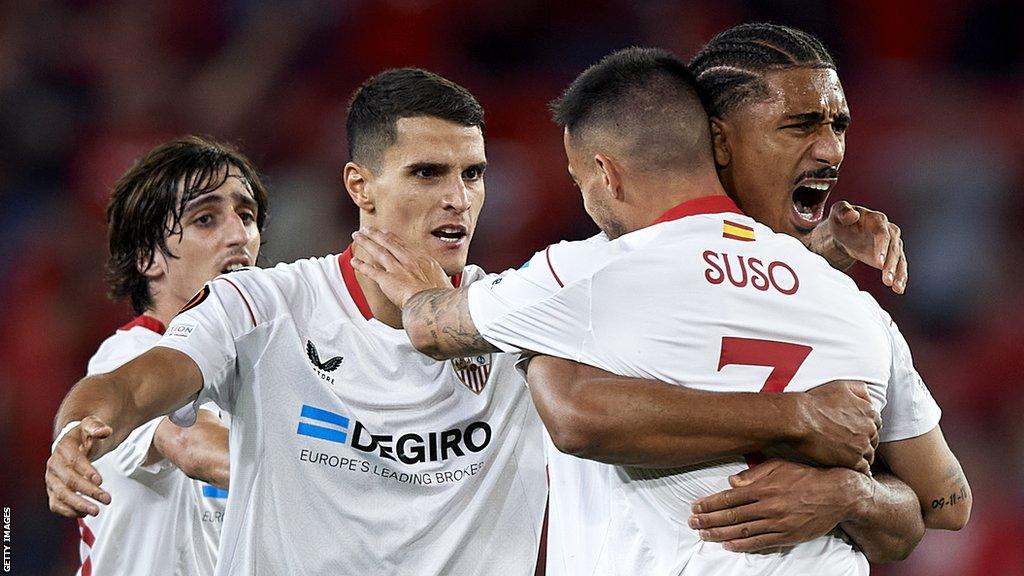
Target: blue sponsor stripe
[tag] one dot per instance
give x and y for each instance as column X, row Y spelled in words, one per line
column 329, row 434
column 323, row 416
column 214, row 492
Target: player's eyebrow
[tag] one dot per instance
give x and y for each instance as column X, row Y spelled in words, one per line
column 246, row 200
column 213, row 198
column 806, row 117
column 202, row 202
column 817, row 117
column 439, row 167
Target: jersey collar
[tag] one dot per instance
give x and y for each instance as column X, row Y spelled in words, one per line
column 147, row 322
column 704, row 205
column 348, row 274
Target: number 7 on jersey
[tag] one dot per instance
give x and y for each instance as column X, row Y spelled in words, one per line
column 783, row 357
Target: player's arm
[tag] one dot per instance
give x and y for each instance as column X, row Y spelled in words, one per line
column 435, row 315
column 929, row 467
column 854, row 233
column 109, row 406
column 440, row 325
column 782, row 503
column 597, row 415
column 200, row 450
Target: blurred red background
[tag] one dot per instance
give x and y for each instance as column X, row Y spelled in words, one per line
column 937, row 142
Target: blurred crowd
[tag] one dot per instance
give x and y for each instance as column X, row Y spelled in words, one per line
column 86, row 87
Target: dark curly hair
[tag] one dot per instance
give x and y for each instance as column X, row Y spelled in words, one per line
column 146, row 206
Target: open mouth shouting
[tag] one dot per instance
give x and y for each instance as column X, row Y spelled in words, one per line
column 809, row 198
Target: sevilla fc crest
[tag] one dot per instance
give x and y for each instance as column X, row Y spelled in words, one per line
column 473, row 371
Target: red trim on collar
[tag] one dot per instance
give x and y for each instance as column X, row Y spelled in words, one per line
column 703, row 205
column 147, row 322
column 348, row 274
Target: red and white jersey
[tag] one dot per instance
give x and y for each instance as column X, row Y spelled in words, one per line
column 708, row 298
column 351, row 452
column 159, row 521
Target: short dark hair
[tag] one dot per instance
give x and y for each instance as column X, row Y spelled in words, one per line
column 398, row 93
column 146, row 206
column 730, row 68
column 647, row 99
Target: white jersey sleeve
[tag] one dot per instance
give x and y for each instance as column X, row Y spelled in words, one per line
column 206, row 330
column 545, row 274
column 910, row 410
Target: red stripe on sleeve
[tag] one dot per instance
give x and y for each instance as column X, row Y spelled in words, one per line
column 547, row 254
column 240, row 295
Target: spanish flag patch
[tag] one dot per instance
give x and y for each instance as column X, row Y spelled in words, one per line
column 736, row 231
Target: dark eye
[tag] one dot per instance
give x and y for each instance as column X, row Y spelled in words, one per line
column 425, row 172
column 840, row 126
column 247, row 217
column 204, row 220
column 473, row 174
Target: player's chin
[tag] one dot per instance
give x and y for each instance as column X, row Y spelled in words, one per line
column 452, row 261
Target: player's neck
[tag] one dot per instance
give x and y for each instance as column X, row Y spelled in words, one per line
column 382, row 308
column 662, row 196
column 163, row 310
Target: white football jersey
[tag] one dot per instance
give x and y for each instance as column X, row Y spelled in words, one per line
column 708, row 298
column 351, row 452
column 159, row 521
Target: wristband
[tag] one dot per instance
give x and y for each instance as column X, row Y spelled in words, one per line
column 63, row 432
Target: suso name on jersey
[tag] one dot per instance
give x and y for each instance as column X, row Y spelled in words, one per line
column 742, row 272
column 412, row 448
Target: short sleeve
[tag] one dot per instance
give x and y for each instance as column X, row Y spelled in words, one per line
column 556, row 325
column 130, row 456
column 910, row 410
column 496, row 295
column 206, row 330
column 547, row 273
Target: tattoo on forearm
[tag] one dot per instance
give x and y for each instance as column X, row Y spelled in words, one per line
column 957, row 497
column 444, row 313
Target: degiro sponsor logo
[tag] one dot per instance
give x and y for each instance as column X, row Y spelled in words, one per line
column 408, row 448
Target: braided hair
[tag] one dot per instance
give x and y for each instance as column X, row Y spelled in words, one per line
column 730, row 68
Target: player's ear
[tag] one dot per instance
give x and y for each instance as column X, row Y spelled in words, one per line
column 357, row 179
column 720, row 130
column 611, row 175
column 154, row 267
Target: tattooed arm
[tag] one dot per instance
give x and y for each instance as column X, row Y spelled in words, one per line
column 439, row 324
column 928, row 466
column 435, row 315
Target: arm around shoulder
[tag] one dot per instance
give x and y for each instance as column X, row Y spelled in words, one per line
column 594, row 414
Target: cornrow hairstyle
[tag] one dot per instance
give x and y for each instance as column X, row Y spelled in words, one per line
column 148, row 201
column 730, row 68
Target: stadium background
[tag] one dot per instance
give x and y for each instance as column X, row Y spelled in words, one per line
column 937, row 142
